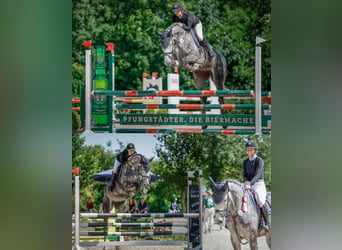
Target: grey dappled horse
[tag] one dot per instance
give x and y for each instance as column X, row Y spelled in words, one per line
column 242, row 225
column 134, row 175
column 180, row 49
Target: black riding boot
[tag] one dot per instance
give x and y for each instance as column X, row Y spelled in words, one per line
column 112, row 182
column 208, row 47
column 266, row 216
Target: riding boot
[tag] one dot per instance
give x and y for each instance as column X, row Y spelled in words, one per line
column 208, row 47
column 112, row 182
column 266, row 216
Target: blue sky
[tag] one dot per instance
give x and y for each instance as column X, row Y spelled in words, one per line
column 144, row 143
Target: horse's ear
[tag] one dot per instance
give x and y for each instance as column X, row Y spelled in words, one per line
column 225, row 186
column 212, row 181
column 151, row 159
column 159, row 33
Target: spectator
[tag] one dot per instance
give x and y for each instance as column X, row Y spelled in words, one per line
column 132, row 208
column 209, row 212
column 143, row 206
column 90, row 206
column 174, row 207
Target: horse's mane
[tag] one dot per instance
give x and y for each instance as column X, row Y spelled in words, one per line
column 237, row 186
column 172, row 26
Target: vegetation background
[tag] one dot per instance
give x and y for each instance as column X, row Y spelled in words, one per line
column 230, row 26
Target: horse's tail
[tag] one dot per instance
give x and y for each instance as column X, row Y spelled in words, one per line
column 221, row 65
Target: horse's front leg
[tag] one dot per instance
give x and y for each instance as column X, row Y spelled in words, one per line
column 106, row 203
column 235, row 241
column 253, row 242
column 191, row 62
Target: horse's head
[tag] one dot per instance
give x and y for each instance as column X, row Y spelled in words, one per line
column 220, row 191
column 135, row 174
column 168, row 44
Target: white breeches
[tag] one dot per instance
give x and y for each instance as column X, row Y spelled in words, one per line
column 260, row 191
column 209, row 218
column 199, row 31
column 116, row 166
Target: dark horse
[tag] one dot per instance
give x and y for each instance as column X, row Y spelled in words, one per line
column 242, row 225
column 180, row 49
column 134, row 175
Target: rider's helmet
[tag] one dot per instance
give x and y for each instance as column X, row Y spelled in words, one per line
column 251, row 144
column 177, row 6
column 130, row 146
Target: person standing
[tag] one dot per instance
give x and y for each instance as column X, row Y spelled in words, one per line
column 121, row 158
column 253, row 177
column 209, row 212
column 191, row 21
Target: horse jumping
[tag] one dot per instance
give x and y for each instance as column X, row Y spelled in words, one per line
column 180, row 49
column 243, row 225
column 135, row 175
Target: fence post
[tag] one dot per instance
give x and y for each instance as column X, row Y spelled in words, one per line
column 88, row 91
column 258, row 85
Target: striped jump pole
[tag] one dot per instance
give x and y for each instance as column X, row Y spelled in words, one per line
column 133, row 233
column 172, row 92
column 136, row 224
column 189, row 106
column 190, row 131
column 147, row 215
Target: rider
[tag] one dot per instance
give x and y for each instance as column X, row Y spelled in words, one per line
column 191, row 21
column 253, row 177
column 121, row 158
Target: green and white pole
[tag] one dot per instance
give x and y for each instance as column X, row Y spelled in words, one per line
column 258, row 110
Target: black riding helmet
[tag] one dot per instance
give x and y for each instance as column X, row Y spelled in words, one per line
column 130, row 146
column 177, row 6
column 251, row 144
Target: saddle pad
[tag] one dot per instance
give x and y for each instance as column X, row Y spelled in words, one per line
column 252, row 198
column 256, row 207
column 195, row 38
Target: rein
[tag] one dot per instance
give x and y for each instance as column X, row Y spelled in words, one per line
column 234, row 216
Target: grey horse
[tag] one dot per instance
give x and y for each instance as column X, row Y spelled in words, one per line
column 134, row 176
column 180, row 49
column 244, row 227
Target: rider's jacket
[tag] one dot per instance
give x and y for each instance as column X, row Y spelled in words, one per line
column 253, row 171
column 188, row 19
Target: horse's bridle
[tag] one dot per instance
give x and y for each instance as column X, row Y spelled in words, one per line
column 233, row 216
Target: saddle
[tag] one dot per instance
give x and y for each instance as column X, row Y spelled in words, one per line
column 252, row 197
